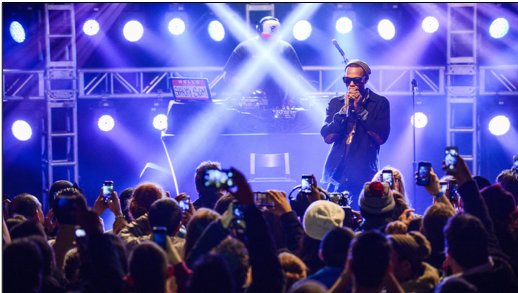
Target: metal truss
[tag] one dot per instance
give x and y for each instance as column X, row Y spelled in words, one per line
column 319, row 81
column 498, row 80
column 23, row 84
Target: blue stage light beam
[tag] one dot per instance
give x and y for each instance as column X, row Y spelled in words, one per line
column 21, row 130
column 344, row 25
column 176, row 26
column 216, row 30
column 91, row 27
column 430, row 24
column 386, row 29
column 133, row 31
column 499, row 28
column 499, row 125
column 17, row 32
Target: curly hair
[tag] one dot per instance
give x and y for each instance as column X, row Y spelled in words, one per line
column 143, row 196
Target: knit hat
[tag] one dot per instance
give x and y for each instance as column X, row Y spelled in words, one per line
column 413, row 246
column 362, row 64
column 322, row 216
column 376, row 199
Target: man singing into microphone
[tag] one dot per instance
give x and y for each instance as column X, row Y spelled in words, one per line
column 356, row 124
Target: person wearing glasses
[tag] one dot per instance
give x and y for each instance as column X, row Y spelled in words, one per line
column 357, row 124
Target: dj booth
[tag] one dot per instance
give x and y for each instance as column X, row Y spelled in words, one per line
column 271, row 147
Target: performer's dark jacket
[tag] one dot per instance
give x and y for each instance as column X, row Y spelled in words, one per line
column 361, row 162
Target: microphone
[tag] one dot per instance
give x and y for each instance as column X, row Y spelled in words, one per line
column 335, row 42
column 414, row 84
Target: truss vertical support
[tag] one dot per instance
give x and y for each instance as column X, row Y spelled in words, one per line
column 462, row 81
column 60, row 159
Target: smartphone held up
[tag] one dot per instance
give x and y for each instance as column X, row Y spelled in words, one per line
column 107, row 189
column 423, row 173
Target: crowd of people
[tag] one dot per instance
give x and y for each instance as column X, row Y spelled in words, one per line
column 225, row 242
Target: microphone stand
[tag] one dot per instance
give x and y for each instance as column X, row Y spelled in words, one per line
column 414, row 164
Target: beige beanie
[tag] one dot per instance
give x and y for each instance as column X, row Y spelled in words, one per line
column 322, row 216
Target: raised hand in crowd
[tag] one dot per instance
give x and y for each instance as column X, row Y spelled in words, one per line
column 281, row 204
column 434, row 188
column 396, row 227
column 315, row 192
column 187, row 214
column 241, row 189
column 50, row 222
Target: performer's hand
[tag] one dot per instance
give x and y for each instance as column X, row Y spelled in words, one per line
column 354, row 95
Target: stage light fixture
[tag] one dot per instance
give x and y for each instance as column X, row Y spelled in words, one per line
column 160, row 122
column 21, row 130
column 344, row 25
column 91, row 27
column 499, row 125
column 499, row 28
column 133, row 31
column 176, row 26
column 420, row 120
column 216, row 30
column 17, row 32
column 386, row 29
column 430, row 24
column 302, row 30
column 106, row 123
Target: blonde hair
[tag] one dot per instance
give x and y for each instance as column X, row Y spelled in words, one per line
column 400, row 182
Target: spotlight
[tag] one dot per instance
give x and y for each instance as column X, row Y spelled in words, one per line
column 430, row 24
column 17, row 32
column 499, row 28
column 499, row 125
column 421, row 120
column 216, row 30
column 21, row 130
column 344, row 25
column 133, row 31
column 386, row 29
column 106, row 123
column 91, row 27
column 160, row 122
column 302, row 30
column 176, row 26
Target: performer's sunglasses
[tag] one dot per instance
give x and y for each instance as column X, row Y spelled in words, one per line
column 356, row 80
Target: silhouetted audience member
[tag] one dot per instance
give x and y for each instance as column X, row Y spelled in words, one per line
column 223, row 202
column 198, row 223
column 333, row 251
column 435, row 218
column 166, row 213
column 468, row 256
column 67, row 222
column 376, row 206
column 26, row 229
column 13, row 221
column 293, row 267
column 481, row 182
column 28, row 206
column 456, row 285
column 320, row 217
column 143, row 196
column 207, row 195
column 55, row 188
column 22, row 266
column 211, row 274
column 369, row 261
column 507, row 179
column 53, row 280
column 149, row 269
column 408, row 253
column 501, row 206
column 308, row 286
column 125, row 198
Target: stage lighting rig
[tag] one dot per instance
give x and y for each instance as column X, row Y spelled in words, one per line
column 133, row 30
column 216, row 30
column 21, row 130
column 302, row 30
column 91, row 27
column 499, row 28
column 17, row 32
column 430, row 24
column 499, row 125
column 386, row 29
